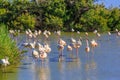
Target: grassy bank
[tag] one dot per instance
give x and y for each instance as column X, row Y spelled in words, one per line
column 8, row 46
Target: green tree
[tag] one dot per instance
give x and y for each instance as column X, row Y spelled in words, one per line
column 114, row 19
column 95, row 18
column 74, row 10
column 54, row 13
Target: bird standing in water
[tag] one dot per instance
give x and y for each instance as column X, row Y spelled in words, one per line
column 5, row 61
column 87, row 49
column 61, row 44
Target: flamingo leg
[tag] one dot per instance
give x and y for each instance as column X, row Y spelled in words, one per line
column 60, row 55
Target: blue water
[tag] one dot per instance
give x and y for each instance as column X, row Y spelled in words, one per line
column 101, row 63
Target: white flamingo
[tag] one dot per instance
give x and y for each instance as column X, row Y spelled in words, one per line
column 60, row 49
column 86, row 33
column 69, row 48
column 5, row 61
column 76, row 44
column 118, row 33
column 95, row 31
column 47, row 48
column 93, row 43
column 87, row 49
column 72, row 30
column 109, row 33
column 35, row 54
column 72, row 40
column 61, row 44
column 43, row 55
column 98, row 34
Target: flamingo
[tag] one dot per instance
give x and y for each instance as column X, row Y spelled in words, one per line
column 29, row 31
column 39, row 32
column 47, row 48
column 61, row 44
column 58, row 33
column 95, row 31
column 32, row 44
column 45, row 35
column 87, row 49
column 26, row 44
column 5, row 61
column 29, row 35
column 43, row 55
column 86, row 33
column 118, row 33
column 76, row 44
column 69, row 48
column 98, row 34
column 43, row 50
column 72, row 30
column 35, row 54
column 78, row 32
column 109, row 33
column 60, row 48
column 93, row 43
column 72, row 40
column 116, row 30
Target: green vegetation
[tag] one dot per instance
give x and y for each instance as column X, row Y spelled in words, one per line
column 7, row 46
column 82, row 15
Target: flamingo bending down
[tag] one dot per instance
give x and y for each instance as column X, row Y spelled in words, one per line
column 69, row 48
column 43, row 55
column 35, row 54
column 61, row 42
column 93, row 43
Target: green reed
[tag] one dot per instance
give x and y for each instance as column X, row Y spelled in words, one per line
column 8, row 46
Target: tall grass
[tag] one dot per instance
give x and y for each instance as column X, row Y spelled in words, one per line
column 7, row 45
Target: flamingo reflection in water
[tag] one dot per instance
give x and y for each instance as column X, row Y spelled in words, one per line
column 91, row 68
column 75, row 64
column 41, row 71
column 62, row 70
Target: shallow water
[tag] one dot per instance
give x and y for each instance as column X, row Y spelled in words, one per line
column 101, row 63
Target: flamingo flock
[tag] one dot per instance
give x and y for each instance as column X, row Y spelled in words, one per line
column 40, row 49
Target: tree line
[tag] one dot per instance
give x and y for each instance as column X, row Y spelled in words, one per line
column 80, row 15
